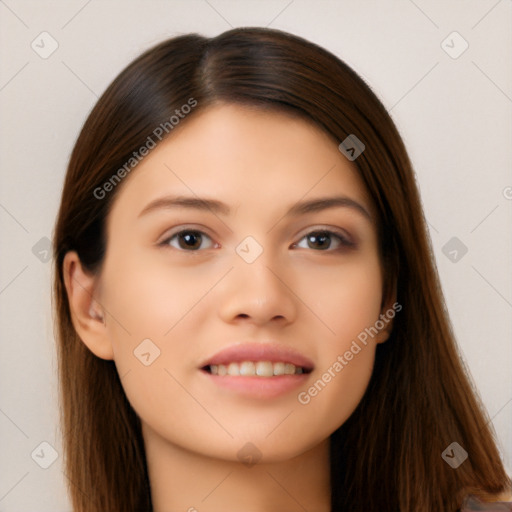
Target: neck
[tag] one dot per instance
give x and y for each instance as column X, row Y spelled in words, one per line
column 186, row 481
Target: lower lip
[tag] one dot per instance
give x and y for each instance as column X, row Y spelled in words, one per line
column 259, row 387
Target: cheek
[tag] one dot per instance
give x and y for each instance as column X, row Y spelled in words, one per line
column 153, row 319
column 150, row 328
column 149, row 298
column 349, row 306
column 346, row 300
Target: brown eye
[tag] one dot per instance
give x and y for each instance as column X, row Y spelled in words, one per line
column 188, row 240
column 319, row 240
column 323, row 240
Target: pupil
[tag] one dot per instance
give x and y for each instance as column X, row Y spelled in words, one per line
column 322, row 237
column 190, row 238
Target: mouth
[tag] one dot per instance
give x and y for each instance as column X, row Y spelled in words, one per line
column 262, row 369
column 257, row 370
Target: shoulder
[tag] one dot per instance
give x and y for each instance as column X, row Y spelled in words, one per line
column 491, row 503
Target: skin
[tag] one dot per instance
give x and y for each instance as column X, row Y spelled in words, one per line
column 192, row 304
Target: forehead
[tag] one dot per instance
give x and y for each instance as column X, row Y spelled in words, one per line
column 244, row 155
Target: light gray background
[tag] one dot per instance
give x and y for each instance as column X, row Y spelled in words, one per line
column 454, row 115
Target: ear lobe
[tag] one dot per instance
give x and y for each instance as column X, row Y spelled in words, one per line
column 87, row 314
column 386, row 318
column 385, row 332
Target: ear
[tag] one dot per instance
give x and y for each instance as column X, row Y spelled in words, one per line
column 387, row 314
column 87, row 315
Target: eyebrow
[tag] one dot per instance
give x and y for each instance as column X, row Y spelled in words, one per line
column 218, row 207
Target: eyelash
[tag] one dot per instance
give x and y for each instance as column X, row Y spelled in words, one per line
column 345, row 243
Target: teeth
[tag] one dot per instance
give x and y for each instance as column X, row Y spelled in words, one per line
column 278, row 368
column 233, row 369
column 247, row 369
column 255, row 369
column 289, row 369
column 264, row 369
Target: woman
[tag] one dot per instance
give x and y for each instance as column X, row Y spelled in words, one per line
column 249, row 315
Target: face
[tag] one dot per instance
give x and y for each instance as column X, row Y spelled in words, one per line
column 251, row 283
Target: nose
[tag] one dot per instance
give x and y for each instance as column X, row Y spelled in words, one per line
column 259, row 293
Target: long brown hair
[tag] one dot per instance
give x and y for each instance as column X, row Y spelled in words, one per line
column 387, row 456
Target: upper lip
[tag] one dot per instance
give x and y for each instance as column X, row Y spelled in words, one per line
column 259, row 352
